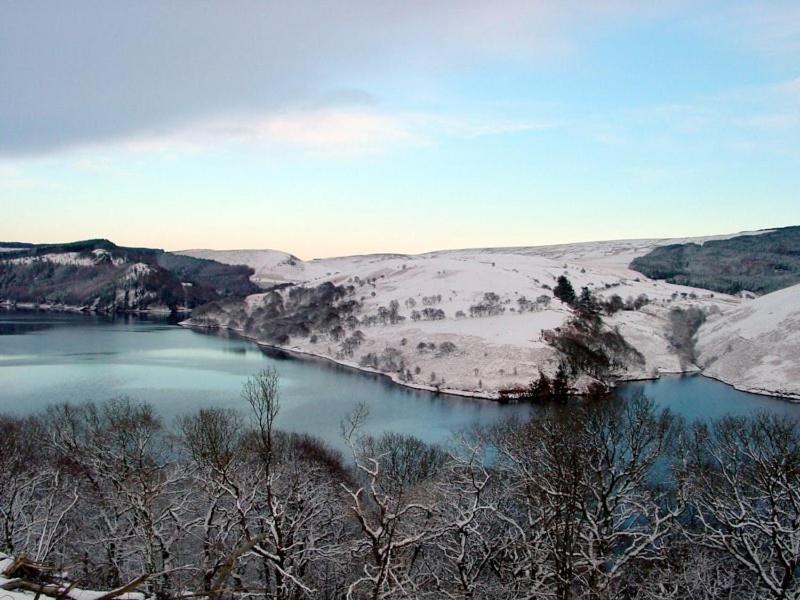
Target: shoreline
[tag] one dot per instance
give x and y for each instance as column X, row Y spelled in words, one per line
column 87, row 310
column 305, row 355
column 791, row 398
column 296, row 353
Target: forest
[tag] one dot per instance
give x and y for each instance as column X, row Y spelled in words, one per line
column 100, row 276
column 590, row 499
column 760, row 263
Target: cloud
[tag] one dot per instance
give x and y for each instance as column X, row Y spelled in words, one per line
column 328, row 132
column 93, row 71
column 323, row 133
column 331, row 131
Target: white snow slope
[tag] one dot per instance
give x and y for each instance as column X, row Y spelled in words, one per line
column 271, row 266
column 756, row 347
column 496, row 352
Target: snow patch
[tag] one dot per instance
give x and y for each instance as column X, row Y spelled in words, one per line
column 68, row 258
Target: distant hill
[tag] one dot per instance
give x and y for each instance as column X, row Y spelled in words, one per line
column 101, row 276
column 760, row 263
column 270, row 267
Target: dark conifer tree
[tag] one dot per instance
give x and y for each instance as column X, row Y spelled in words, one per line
column 586, row 302
column 561, row 385
column 564, row 290
column 541, row 390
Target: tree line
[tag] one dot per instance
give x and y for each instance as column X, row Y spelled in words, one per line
column 600, row 499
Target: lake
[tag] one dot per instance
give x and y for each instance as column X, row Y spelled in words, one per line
column 53, row 357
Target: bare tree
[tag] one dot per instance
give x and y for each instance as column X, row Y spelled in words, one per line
column 136, row 495
column 742, row 479
column 36, row 496
column 582, row 476
column 596, row 498
column 287, row 513
column 394, row 520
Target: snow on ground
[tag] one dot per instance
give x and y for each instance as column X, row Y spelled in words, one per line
column 612, row 253
column 66, row 589
column 492, row 352
column 756, row 346
column 271, row 266
column 67, row 258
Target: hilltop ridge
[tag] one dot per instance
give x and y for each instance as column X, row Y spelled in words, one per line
column 97, row 275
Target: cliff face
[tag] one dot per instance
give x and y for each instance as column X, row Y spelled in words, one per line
column 100, row 276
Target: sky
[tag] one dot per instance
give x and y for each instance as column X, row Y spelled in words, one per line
column 332, row 128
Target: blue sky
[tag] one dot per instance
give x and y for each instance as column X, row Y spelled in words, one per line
column 327, row 128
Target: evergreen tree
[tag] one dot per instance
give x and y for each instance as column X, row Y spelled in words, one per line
column 564, row 290
column 541, row 390
column 561, row 385
column 586, row 302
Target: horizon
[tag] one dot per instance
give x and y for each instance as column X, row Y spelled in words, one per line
column 453, row 125
column 389, row 252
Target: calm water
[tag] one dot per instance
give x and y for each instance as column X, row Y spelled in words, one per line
column 46, row 358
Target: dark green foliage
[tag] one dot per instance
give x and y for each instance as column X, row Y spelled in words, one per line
column 541, row 390
column 225, row 280
column 564, row 290
column 561, row 389
column 587, row 303
column 169, row 280
column 17, row 245
column 757, row 263
column 590, row 348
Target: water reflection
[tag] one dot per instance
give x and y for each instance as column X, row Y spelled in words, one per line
column 74, row 358
column 11, row 328
column 179, row 371
column 698, row 397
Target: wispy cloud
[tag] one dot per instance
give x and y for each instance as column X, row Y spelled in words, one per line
column 337, row 133
column 328, row 132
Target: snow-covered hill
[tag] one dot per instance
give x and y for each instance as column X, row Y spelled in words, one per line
column 274, row 266
column 271, row 266
column 494, row 348
column 756, row 347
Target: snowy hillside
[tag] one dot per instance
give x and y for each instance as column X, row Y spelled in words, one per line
column 756, row 347
column 274, row 266
column 271, row 266
column 466, row 321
